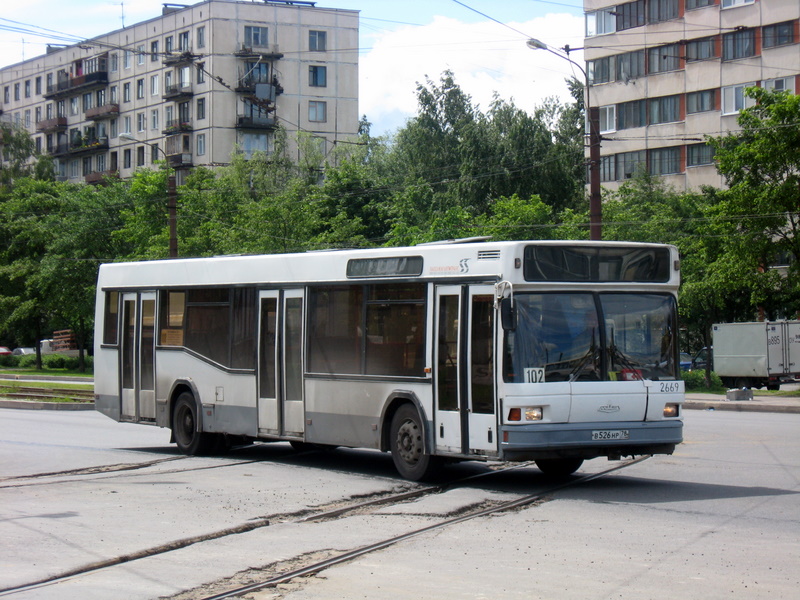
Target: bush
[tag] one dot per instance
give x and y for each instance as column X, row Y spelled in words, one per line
column 7, row 360
column 696, row 382
column 27, row 361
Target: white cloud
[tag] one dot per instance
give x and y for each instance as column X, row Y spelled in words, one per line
column 484, row 58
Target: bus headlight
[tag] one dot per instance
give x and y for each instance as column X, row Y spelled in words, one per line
column 671, row 410
column 532, row 413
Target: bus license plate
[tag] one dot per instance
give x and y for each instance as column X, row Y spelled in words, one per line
column 611, row 434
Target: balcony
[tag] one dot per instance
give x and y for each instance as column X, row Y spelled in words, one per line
column 88, row 145
column 102, row 112
column 255, row 122
column 71, row 85
column 51, row 125
column 59, row 149
column 177, row 59
column 178, row 161
column 177, row 126
column 181, row 90
column 101, row 176
column 266, row 52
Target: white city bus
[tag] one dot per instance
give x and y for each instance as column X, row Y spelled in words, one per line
column 463, row 350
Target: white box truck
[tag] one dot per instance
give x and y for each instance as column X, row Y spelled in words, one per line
column 759, row 354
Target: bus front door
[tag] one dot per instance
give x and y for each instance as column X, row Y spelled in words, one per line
column 465, row 399
column 137, row 357
column 280, row 363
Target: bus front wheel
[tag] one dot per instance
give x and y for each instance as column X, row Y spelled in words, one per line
column 559, row 467
column 408, row 447
column 184, row 427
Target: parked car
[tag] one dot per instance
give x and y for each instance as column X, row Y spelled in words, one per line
column 23, row 351
column 4, row 351
column 685, row 361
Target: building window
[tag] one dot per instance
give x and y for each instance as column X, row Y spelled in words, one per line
column 664, row 58
column 664, row 161
column 662, row 10
column 27, row 88
column 778, row 34
column 201, row 37
column 141, row 121
column 666, row 109
column 601, row 70
column 599, row 22
column 126, row 59
column 608, row 171
column 6, row 94
column 317, row 111
column 126, row 158
column 140, row 156
column 782, row 84
column 630, row 65
column 690, row 4
column 154, row 89
column 739, row 44
column 114, row 60
column 317, row 76
column 702, row 101
column 154, row 154
column 317, row 41
column 608, row 118
column 201, row 72
column 701, row 49
column 183, row 41
column 184, row 113
column 630, row 163
column 113, row 127
column 699, row 154
column 154, row 119
column 729, row 3
column 100, row 97
column 101, row 163
column 168, row 44
column 73, row 106
column 16, row 91
column 127, row 122
column 255, row 37
column 140, row 55
column 201, row 108
column 154, row 51
column 28, row 118
column 86, row 101
column 629, row 15
column 201, row 144
column 113, row 94
column 139, row 89
column 38, row 86
column 126, row 92
column 632, row 114
column 734, row 100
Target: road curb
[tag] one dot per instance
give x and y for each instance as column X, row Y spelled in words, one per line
column 26, row 405
column 740, row 406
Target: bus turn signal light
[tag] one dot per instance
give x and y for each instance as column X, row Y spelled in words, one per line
column 671, row 410
column 532, row 413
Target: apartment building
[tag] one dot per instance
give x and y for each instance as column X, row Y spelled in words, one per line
column 190, row 86
column 667, row 73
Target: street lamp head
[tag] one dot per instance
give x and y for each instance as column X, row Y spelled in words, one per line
column 535, row 44
column 125, row 135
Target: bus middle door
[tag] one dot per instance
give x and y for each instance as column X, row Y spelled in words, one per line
column 280, row 363
column 465, row 399
column 137, row 356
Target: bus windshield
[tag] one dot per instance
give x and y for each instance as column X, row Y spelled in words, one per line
column 591, row 337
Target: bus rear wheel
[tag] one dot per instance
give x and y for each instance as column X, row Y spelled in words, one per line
column 559, row 467
column 184, row 428
column 408, row 446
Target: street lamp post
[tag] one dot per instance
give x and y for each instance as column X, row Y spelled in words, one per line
column 172, row 196
column 593, row 113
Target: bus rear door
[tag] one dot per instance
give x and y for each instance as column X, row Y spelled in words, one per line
column 465, row 399
column 137, row 353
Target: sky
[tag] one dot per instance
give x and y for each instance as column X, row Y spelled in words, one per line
column 401, row 43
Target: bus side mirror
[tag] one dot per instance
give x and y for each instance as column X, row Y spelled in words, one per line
column 508, row 314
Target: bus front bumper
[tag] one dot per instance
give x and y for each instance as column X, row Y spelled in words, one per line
column 589, row 440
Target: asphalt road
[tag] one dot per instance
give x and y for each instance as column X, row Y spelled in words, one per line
column 718, row 519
